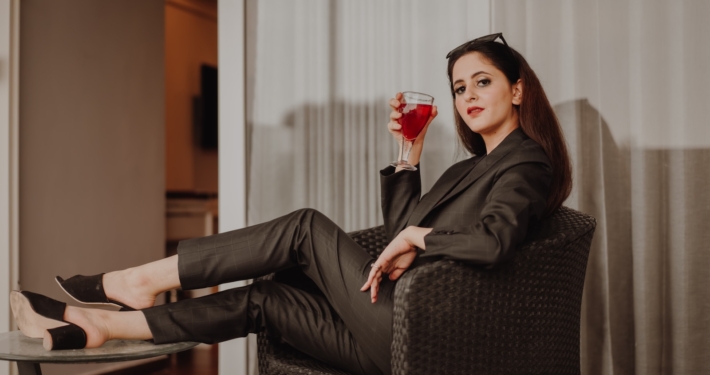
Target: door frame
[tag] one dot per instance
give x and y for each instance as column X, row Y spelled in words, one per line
column 9, row 161
column 231, row 25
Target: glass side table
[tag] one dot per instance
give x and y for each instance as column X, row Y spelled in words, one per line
column 29, row 353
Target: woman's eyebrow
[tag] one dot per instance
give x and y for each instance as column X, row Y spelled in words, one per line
column 472, row 76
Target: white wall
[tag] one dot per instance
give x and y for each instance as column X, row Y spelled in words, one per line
column 92, row 141
column 232, row 151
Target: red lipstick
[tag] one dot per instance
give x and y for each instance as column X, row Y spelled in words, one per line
column 474, row 110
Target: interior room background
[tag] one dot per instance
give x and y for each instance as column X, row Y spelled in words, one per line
column 627, row 79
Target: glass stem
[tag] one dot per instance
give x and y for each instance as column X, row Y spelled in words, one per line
column 404, row 151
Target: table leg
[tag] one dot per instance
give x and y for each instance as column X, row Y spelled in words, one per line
column 29, row 368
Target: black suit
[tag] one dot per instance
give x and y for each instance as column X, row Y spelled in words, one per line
column 480, row 210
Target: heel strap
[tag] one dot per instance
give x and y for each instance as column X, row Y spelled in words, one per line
column 68, row 337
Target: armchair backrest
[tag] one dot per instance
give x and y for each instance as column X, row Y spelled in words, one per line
column 522, row 316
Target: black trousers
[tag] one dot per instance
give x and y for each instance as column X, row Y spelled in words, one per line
column 341, row 327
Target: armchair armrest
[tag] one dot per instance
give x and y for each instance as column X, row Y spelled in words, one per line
column 522, row 316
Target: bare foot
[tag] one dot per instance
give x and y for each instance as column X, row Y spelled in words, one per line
column 103, row 325
column 130, row 288
column 92, row 321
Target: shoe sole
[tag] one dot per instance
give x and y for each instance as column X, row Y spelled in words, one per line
column 87, row 303
column 28, row 320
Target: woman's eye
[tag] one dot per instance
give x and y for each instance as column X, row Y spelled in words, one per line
column 484, row 82
column 460, row 90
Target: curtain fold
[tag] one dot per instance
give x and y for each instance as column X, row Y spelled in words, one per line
column 629, row 84
column 628, row 80
column 320, row 74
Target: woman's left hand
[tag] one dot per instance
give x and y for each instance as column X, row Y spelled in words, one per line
column 395, row 258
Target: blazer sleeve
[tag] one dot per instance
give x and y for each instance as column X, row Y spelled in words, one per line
column 517, row 198
column 400, row 193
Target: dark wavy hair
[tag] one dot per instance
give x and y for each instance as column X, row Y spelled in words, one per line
column 535, row 115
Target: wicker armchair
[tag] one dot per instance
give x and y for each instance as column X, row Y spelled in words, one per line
column 521, row 317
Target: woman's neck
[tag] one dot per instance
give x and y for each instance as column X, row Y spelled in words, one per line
column 493, row 139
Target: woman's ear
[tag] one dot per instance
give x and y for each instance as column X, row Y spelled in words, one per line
column 518, row 92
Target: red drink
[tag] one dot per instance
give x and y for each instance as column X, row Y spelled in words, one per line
column 414, row 117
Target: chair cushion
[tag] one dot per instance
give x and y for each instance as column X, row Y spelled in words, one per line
column 282, row 359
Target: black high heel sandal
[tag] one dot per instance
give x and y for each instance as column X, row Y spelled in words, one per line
column 36, row 314
column 89, row 290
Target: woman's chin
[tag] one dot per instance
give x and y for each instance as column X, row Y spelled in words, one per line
column 478, row 127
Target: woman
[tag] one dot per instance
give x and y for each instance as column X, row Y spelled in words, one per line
column 478, row 212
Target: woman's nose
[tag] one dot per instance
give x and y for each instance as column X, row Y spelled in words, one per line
column 470, row 95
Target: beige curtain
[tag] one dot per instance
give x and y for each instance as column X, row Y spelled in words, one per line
column 630, row 84
column 320, row 74
column 628, row 81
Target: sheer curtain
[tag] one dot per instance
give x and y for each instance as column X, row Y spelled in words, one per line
column 320, row 74
column 627, row 80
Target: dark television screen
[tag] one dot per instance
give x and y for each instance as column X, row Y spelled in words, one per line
column 206, row 118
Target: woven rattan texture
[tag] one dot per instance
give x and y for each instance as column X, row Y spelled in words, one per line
column 518, row 318
column 282, row 359
column 521, row 317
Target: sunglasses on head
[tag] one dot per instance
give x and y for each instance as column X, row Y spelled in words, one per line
column 483, row 39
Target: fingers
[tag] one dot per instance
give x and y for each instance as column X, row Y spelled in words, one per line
column 375, row 287
column 374, row 279
column 394, row 127
column 373, row 275
column 367, row 283
column 373, row 282
column 434, row 113
column 394, row 275
column 432, row 116
column 395, row 103
column 394, row 115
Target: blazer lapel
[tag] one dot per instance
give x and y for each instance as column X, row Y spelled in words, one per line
column 456, row 184
column 444, row 184
column 510, row 142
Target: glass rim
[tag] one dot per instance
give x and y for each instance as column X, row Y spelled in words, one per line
column 418, row 96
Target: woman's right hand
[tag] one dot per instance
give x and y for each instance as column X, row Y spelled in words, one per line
column 395, row 129
column 394, row 126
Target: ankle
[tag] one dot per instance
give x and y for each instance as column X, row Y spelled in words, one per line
column 131, row 279
column 81, row 316
column 102, row 320
column 138, row 280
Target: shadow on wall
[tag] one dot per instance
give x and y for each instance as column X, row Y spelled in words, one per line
column 323, row 156
column 602, row 188
column 652, row 207
column 328, row 157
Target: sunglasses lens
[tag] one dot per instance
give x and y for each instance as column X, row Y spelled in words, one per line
column 487, row 38
column 483, row 39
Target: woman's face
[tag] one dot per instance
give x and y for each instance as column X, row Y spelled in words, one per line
column 484, row 98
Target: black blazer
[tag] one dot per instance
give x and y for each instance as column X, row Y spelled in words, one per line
column 480, row 208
